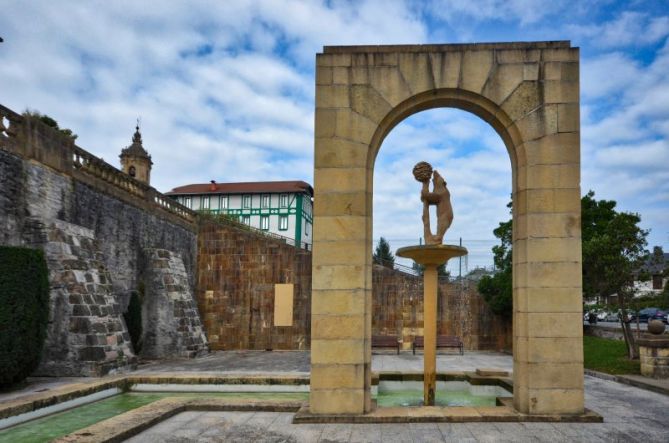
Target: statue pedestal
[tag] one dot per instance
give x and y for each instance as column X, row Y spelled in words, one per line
column 431, row 257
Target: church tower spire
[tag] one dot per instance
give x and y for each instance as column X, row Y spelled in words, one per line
column 135, row 161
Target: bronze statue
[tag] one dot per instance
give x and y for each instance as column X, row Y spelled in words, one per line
column 440, row 197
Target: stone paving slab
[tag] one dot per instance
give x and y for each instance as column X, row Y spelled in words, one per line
column 247, row 362
column 630, row 414
column 250, row 426
column 130, row 423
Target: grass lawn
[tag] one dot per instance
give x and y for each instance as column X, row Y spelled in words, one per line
column 610, row 356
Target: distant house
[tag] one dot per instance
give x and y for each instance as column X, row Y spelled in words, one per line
column 653, row 271
column 280, row 207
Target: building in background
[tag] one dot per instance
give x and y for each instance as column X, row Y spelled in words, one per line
column 135, row 161
column 284, row 208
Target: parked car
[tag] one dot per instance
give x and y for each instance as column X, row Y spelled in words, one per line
column 601, row 316
column 647, row 314
column 612, row 316
column 590, row 317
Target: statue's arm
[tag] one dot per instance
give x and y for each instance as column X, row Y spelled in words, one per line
column 430, row 197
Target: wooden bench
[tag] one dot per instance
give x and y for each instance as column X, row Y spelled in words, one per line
column 386, row 341
column 443, row 341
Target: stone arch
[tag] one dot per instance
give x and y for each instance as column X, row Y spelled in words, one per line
column 450, row 98
column 528, row 92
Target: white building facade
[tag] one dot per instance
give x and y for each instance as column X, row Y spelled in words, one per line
column 284, row 208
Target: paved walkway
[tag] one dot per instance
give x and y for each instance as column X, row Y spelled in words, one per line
column 630, row 414
column 291, row 362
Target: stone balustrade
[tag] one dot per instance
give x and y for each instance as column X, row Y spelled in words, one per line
column 34, row 140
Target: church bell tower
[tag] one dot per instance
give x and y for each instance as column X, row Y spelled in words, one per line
column 135, row 161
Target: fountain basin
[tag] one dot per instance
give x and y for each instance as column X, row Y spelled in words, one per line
column 448, row 393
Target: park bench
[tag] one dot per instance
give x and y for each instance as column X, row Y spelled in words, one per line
column 443, row 341
column 386, row 341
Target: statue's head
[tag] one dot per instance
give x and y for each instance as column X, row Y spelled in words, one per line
column 437, row 179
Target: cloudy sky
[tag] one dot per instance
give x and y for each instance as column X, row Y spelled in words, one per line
column 225, row 91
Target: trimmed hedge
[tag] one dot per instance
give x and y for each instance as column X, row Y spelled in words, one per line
column 24, row 311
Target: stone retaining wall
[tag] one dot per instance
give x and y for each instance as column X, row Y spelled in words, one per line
column 86, row 334
column 58, row 196
column 44, row 175
column 398, row 310
column 170, row 319
column 237, row 270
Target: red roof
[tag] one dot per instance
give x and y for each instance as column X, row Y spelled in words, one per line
column 244, row 188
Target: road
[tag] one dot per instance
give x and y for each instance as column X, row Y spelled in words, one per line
column 615, row 324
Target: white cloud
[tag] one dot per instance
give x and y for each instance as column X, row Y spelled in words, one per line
column 472, row 159
column 610, row 74
column 630, row 28
column 225, row 91
column 523, row 11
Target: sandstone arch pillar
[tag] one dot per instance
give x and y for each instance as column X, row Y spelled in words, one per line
column 528, row 92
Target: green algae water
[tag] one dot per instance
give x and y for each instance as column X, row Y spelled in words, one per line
column 452, row 393
column 411, row 397
column 62, row 423
column 390, row 394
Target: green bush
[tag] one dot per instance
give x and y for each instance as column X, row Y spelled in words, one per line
column 497, row 291
column 24, row 311
column 133, row 319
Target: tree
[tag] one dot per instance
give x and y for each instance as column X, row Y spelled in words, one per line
column 613, row 250
column 382, row 254
column 657, row 257
column 497, row 289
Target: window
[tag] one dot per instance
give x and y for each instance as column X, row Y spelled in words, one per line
column 283, row 223
column 132, row 171
column 223, row 203
column 283, row 201
column 264, row 222
column 264, row 202
column 657, row 281
column 246, row 219
column 187, row 203
column 246, row 201
column 204, row 202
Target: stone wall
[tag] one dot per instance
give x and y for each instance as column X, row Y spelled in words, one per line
column 128, row 230
column 11, row 207
column 94, row 221
column 237, row 271
column 398, row 310
column 86, row 334
column 170, row 320
column 44, row 175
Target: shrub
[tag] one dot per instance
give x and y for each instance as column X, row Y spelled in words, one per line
column 24, row 311
column 497, row 291
column 133, row 319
